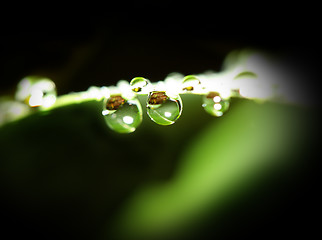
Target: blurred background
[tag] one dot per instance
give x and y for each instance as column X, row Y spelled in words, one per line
column 248, row 174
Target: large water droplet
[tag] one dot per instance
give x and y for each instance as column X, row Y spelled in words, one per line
column 190, row 83
column 214, row 104
column 122, row 115
column 138, row 83
column 163, row 109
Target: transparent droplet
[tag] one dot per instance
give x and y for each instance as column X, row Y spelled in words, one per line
column 36, row 91
column 190, row 83
column 122, row 115
column 250, row 85
column 214, row 104
column 243, row 84
column 138, row 83
column 245, row 74
column 163, row 109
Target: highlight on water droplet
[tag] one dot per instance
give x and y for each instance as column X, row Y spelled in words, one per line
column 36, row 91
column 138, row 84
column 121, row 114
column 214, row 104
column 190, row 83
column 163, row 109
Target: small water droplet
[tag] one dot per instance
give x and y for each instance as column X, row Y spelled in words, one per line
column 214, row 104
column 248, row 86
column 163, row 109
column 122, row 115
column 36, row 91
column 245, row 74
column 138, row 83
column 190, row 83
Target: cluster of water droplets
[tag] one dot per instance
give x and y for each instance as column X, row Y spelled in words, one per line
column 245, row 75
column 32, row 93
column 36, row 91
column 123, row 111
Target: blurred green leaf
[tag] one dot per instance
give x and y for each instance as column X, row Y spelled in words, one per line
column 224, row 159
column 67, row 169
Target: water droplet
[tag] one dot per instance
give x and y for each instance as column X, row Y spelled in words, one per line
column 190, row 83
column 122, row 115
column 163, row 109
column 36, row 91
column 214, row 104
column 249, row 85
column 138, row 83
column 245, row 74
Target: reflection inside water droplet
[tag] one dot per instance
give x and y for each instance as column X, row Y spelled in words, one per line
column 122, row 115
column 162, row 109
column 214, row 104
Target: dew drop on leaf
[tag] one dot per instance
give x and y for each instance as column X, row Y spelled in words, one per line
column 163, row 109
column 36, row 91
column 190, row 83
column 138, row 83
column 122, row 115
column 245, row 74
column 214, row 104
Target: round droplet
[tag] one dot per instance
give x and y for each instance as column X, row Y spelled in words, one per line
column 190, row 83
column 214, row 104
column 138, row 83
column 162, row 109
column 122, row 115
column 36, row 91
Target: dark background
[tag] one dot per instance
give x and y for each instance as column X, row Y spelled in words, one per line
column 102, row 48
column 78, row 49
